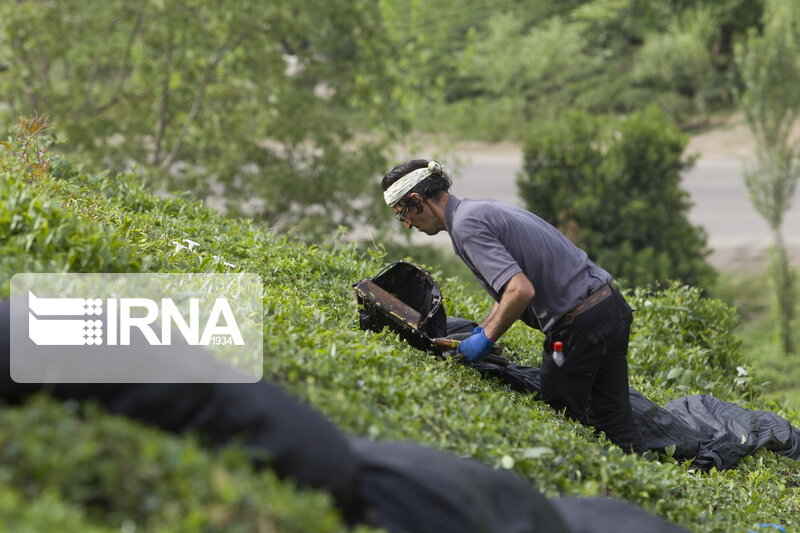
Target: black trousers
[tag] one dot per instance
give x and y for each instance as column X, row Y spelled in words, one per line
column 592, row 384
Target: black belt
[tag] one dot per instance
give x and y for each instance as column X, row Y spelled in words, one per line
column 594, row 299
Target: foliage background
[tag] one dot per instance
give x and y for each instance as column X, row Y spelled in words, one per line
column 288, row 111
column 503, row 64
column 254, row 106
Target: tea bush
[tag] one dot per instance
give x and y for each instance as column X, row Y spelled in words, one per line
column 686, row 343
column 85, row 470
column 98, row 472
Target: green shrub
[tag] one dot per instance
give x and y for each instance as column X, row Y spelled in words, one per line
column 101, row 471
column 613, row 187
column 686, row 343
column 46, row 512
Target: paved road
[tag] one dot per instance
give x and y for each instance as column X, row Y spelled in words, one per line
column 722, row 206
column 738, row 236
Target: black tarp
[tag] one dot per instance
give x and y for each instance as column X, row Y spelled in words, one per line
column 398, row 480
column 712, row 432
column 586, row 515
column 447, row 494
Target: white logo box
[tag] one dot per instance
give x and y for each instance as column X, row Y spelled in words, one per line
column 136, row 328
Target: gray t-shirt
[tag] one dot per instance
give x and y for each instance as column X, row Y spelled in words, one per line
column 497, row 240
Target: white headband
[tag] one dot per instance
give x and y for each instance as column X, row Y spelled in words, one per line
column 400, row 188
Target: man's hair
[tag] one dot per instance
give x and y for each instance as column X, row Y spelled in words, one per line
column 431, row 188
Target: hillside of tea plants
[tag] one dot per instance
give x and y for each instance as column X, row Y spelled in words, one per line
column 74, row 467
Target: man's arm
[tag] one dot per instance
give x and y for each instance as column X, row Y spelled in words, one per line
column 514, row 298
column 490, row 316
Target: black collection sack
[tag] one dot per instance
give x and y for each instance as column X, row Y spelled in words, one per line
column 407, row 299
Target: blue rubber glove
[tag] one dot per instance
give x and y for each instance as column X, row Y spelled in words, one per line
column 477, row 346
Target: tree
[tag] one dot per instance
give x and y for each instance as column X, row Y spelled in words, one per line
column 257, row 105
column 495, row 70
column 770, row 100
column 613, row 187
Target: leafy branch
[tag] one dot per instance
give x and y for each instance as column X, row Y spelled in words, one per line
column 27, row 151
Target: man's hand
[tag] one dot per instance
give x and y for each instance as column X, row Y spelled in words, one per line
column 477, row 346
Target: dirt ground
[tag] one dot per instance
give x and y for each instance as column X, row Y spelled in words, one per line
column 728, row 137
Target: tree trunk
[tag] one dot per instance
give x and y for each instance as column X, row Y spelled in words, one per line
column 784, row 294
